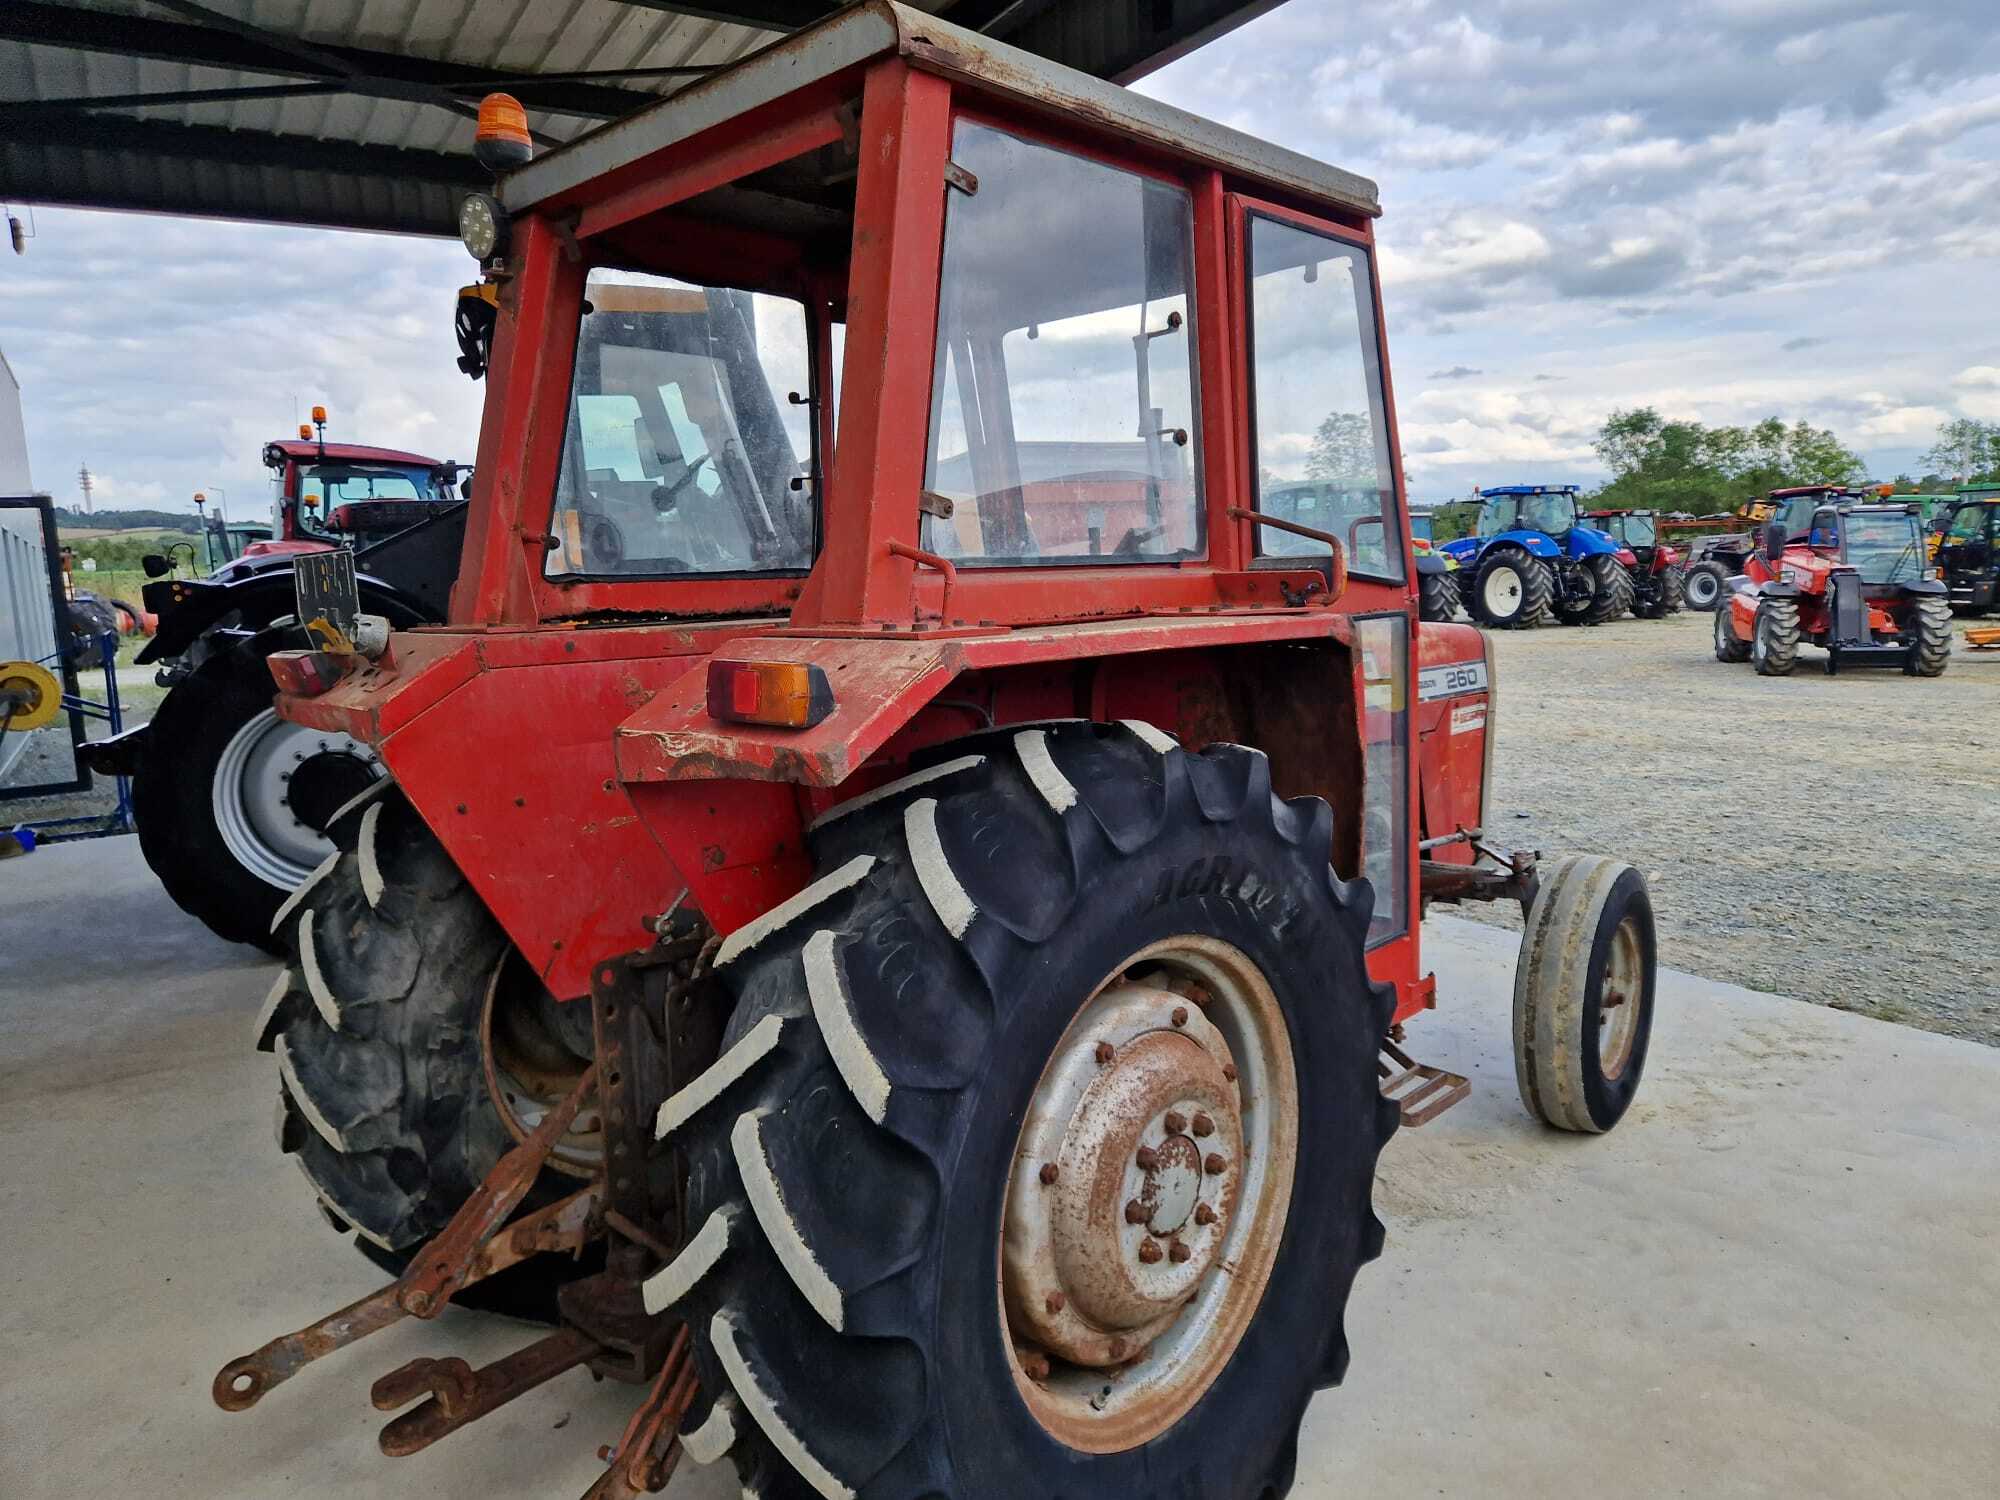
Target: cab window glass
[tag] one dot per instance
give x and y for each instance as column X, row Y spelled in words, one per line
column 1322, row 449
column 682, row 444
column 1063, row 408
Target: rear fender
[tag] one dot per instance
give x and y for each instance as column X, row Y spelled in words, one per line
column 1585, row 542
column 1533, row 542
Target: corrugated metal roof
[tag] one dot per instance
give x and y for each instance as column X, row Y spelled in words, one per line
column 357, row 113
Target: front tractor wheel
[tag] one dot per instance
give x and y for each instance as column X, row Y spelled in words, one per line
column 1930, row 625
column 414, row 1048
column 1705, row 586
column 1583, row 993
column 1038, row 1157
column 1512, row 591
column 232, row 802
column 1729, row 646
column 1774, row 648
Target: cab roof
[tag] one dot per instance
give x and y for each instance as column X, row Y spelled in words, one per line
column 360, row 453
column 1530, row 489
column 880, row 28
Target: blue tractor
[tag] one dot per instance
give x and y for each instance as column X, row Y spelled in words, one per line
column 1531, row 560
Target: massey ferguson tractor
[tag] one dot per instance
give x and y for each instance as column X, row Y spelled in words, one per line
column 1856, row 582
column 907, row 974
column 231, row 801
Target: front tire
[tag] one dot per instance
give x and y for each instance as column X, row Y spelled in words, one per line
column 231, row 802
column 1705, row 586
column 1931, row 620
column 1728, row 646
column 870, row 1267
column 1511, row 590
column 1583, row 993
column 1774, row 649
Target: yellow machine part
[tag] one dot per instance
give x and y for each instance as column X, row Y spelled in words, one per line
column 1982, row 637
column 31, row 693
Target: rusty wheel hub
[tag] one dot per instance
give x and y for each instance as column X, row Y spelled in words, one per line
column 1136, row 1178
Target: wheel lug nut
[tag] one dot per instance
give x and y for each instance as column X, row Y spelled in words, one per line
column 1048, row 1174
column 1105, row 1052
column 1148, row 1159
column 1178, row 1253
column 1229, row 1071
column 1199, row 994
column 1203, row 1214
column 1180, row 1015
column 1056, row 1303
column 1175, row 1122
column 1149, row 1252
column 1203, row 1125
column 1215, row 1164
column 1135, row 1212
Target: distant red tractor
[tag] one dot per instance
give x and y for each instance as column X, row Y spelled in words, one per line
column 1856, row 584
column 1657, row 582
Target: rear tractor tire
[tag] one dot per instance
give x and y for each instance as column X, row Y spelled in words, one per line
column 1583, row 993
column 1673, row 590
column 978, row 1205
column 1611, row 590
column 1728, row 647
column 1774, row 650
column 232, row 802
column 1931, row 622
column 1705, row 586
column 1512, row 591
column 1437, row 597
column 397, row 1024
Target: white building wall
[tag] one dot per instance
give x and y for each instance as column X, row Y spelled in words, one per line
column 26, row 632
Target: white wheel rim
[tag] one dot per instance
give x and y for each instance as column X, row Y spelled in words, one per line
column 250, row 797
column 1140, row 1341
column 1501, row 592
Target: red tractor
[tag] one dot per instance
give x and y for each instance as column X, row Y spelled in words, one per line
column 1855, row 582
column 1658, row 587
column 929, row 962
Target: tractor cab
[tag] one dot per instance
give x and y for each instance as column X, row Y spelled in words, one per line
column 1798, row 508
column 1966, row 549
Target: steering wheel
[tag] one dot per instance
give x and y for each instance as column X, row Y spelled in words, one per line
column 667, row 496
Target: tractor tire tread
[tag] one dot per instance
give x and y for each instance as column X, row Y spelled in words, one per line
column 1778, row 635
column 822, row 1143
column 1932, row 619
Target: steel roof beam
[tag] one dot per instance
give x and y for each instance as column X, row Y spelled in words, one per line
column 358, row 70
column 235, row 148
column 765, row 15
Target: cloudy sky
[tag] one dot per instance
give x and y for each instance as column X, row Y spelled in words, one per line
column 1723, row 208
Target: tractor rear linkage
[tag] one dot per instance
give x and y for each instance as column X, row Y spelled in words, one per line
column 644, row 1016
column 643, row 1021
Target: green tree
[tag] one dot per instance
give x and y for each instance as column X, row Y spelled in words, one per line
column 1659, row 464
column 1343, row 450
column 1966, row 449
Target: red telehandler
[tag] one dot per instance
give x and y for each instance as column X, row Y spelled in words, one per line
column 928, row 959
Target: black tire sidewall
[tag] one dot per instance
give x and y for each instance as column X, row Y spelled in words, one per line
column 1607, row 1099
column 173, row 800
column 997, row 1445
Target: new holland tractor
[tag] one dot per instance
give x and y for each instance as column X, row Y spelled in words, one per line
column 1856, row 583
column 902, row 959
column 1658, row 589
column 230, row 800
column 1531, row 559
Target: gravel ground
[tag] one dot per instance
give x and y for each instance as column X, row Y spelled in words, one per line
column 1833, row 838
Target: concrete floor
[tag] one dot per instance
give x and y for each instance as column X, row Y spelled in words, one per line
column 1779, row 1277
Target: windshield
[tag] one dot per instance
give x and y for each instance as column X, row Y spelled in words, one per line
column 326, row 486
column 1063, row 410
column 1883, row 548
column 1553, row 513
column 1970, row 521
column 1420, row 526
column 1634, row 531
column 679, row 456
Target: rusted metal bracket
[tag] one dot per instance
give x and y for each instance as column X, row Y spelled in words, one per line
column 1449, row 884
column 468, row 1249
column 643, row 1459
column 457, row 1394
column 1422, row 1092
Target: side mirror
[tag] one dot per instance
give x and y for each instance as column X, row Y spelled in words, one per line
column 155, row 565
column 1774, row 541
